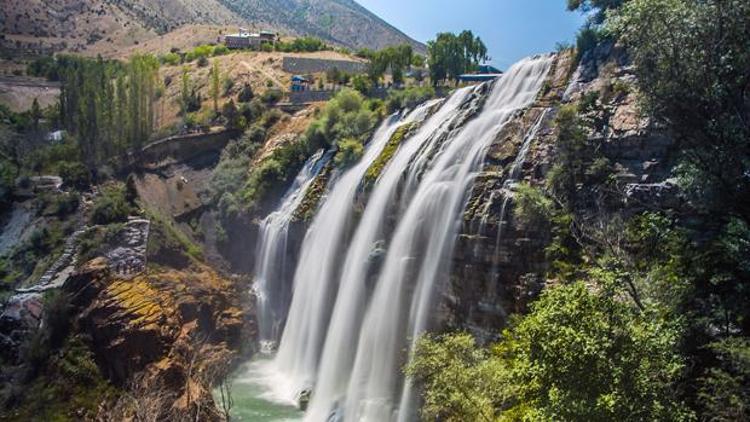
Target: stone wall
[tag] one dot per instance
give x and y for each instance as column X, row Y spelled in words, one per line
column 185, row 147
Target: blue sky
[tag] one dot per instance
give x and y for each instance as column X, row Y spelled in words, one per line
column 511, row 29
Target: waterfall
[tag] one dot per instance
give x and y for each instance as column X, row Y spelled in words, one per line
column 362, row 258
column 315, row 279
column 272, row 284
column 419, row 254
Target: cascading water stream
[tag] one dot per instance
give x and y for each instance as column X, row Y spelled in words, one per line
column 420, row 251
column 272, row 284
column 315, row 280
column 515, row 173
column 338, row 354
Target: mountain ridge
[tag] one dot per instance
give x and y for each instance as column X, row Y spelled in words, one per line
column 39, row 27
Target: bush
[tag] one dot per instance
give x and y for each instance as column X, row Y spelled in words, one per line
column 220, row 50
column 64, row 204
column 246, row 94
column 74, row 174
column 347, row 116
column 111, row 206
column 350, row 151
column 228, row 84
column 408, row 98
column 586, row 40
column 171, row 59
column 202, row 61
column 578, row 355
column 271, row 96
column 271, row 117
column 200, row 52
column 533, row 208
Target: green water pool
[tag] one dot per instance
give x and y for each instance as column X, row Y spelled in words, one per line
column 251, row 399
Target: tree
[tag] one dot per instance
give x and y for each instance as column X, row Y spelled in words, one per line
column 215, row 85
column 36, row 115
column 601, row 7
column 579, row 355
column 452, row 55
column 691, row 59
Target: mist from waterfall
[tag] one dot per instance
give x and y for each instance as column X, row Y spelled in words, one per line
column 271, row 284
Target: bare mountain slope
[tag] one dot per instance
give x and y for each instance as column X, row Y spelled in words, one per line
column 341, row 21
column 41, row 26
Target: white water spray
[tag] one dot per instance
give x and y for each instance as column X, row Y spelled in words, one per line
column 272, row 282
column 362, row 257
column 418, row 259
column 315, row 280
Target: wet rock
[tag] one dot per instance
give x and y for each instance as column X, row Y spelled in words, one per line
column 303, row 399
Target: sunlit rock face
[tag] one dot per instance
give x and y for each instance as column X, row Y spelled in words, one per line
column 150, row 329
column 499, row 266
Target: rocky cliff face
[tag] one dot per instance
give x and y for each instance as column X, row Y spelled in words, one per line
column 168, row 334
column 500, row 265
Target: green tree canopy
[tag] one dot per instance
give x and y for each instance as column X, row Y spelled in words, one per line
column 579, row 355
column 452, row 55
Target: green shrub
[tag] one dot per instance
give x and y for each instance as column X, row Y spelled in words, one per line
column 246, row 94
column 533, row 208
column 271, row 96
column 64, row 204
column 220, row 50
column 111, row 206
column 74, row 174
column 408, row 98
column 171, row 59
column 200, row 52
column 271, row 117
column 302, row 45
column 202, row 61
column 588, row 102
column 586, row 40
column 349, row 152
column 347, row 115
column 578, row 355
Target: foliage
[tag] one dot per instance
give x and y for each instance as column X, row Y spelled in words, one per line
column 349, row 152
column 725, row 389
column 302, row 45
column 347, row 115
column 246, row 94
column 170, row 59
column 271, row 96
column 111, row 206
column 205, row 51
column 190, row 99
column 579, row 355
column 396, row 58
column 532, row 207
column 215, row 85
column 408, row 98
column 452, row 55
column 388, row 152
column 601, row 7
column 691, row 60
column 108, row 105
column 74, row 174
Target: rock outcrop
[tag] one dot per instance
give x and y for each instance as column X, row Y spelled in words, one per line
column 175, row 332
column 499, row 265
